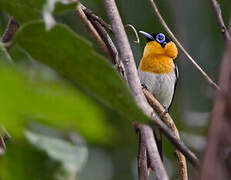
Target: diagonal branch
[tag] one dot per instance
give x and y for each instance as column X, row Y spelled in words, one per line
column 163, row 23
column 91, row 29
column 170, row 123
column 94, row 17
column 217, row 10
column 11, row 29
column 127, row 58
column 106, row 38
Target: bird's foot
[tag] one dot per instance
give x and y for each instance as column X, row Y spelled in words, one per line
column 165, row 110
column 144, row 86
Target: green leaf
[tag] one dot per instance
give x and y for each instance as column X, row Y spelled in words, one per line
column 27, row 98
column 48, row 9
column 73, row 57
column 28, row 10
column 4, row 56
column 23, row 10
column 19, row 55
column 23, row 162
column 72, row 156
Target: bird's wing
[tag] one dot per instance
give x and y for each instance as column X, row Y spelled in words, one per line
column 176, row 71
column 177, row 75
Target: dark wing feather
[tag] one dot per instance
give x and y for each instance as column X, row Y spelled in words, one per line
column 177, row 75
column 158, row 138
column 176, row 72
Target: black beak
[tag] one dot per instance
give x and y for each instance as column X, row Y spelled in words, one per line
column 148, row 36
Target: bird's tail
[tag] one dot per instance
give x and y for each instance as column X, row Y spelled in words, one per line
column 158, row 138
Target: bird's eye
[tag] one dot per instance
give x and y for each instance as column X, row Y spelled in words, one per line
column 160, row 38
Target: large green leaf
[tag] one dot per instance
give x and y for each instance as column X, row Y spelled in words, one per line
column 25, row 98
column 73, row 57
column 23, row 162
column 27, row 10
column 72, row 156
column 4, row 56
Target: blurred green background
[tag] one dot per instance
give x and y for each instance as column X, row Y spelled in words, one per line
column 69, row 113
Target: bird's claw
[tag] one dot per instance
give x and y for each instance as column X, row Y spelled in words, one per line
column 165, row 110
column 144, row 86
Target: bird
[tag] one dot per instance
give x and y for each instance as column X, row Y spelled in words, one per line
column 158, row 72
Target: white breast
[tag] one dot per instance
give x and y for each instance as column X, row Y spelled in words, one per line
column 160, row 85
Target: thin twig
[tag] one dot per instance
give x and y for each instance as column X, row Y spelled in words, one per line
column 11, row 29
column 134, row 83
column 137, row 41
column 91, row 29
column 170, row 123
column 217, row 10
column 106, row 38
column 89, row 13
column 163, row 23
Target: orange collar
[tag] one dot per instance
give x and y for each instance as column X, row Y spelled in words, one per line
column 157, row 59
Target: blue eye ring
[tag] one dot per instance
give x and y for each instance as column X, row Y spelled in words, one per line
column 160, row 38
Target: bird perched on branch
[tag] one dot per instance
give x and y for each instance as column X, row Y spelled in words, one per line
column 158, row 72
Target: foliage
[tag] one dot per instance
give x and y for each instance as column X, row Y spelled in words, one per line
column 52, row 77
column 71, row 98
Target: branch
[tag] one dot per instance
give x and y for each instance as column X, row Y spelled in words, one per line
column 142, row 153
column 126, row 55
column 91, row 29
column 127, row 58
column 142, row 158
column 94, row 17
column 219, row 130
column 180, row 145
column 220, row 123
column 143, row 136
column 11, row 29
column 170, row 123
column 106, row 38
column 155, row 161
column 148, row 152
column 217, row 10
column 163, row 23
column 134, row 83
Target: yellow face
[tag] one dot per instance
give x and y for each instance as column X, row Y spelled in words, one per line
column 158, row 59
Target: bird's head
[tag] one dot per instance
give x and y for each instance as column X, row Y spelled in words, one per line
column 159, row 45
